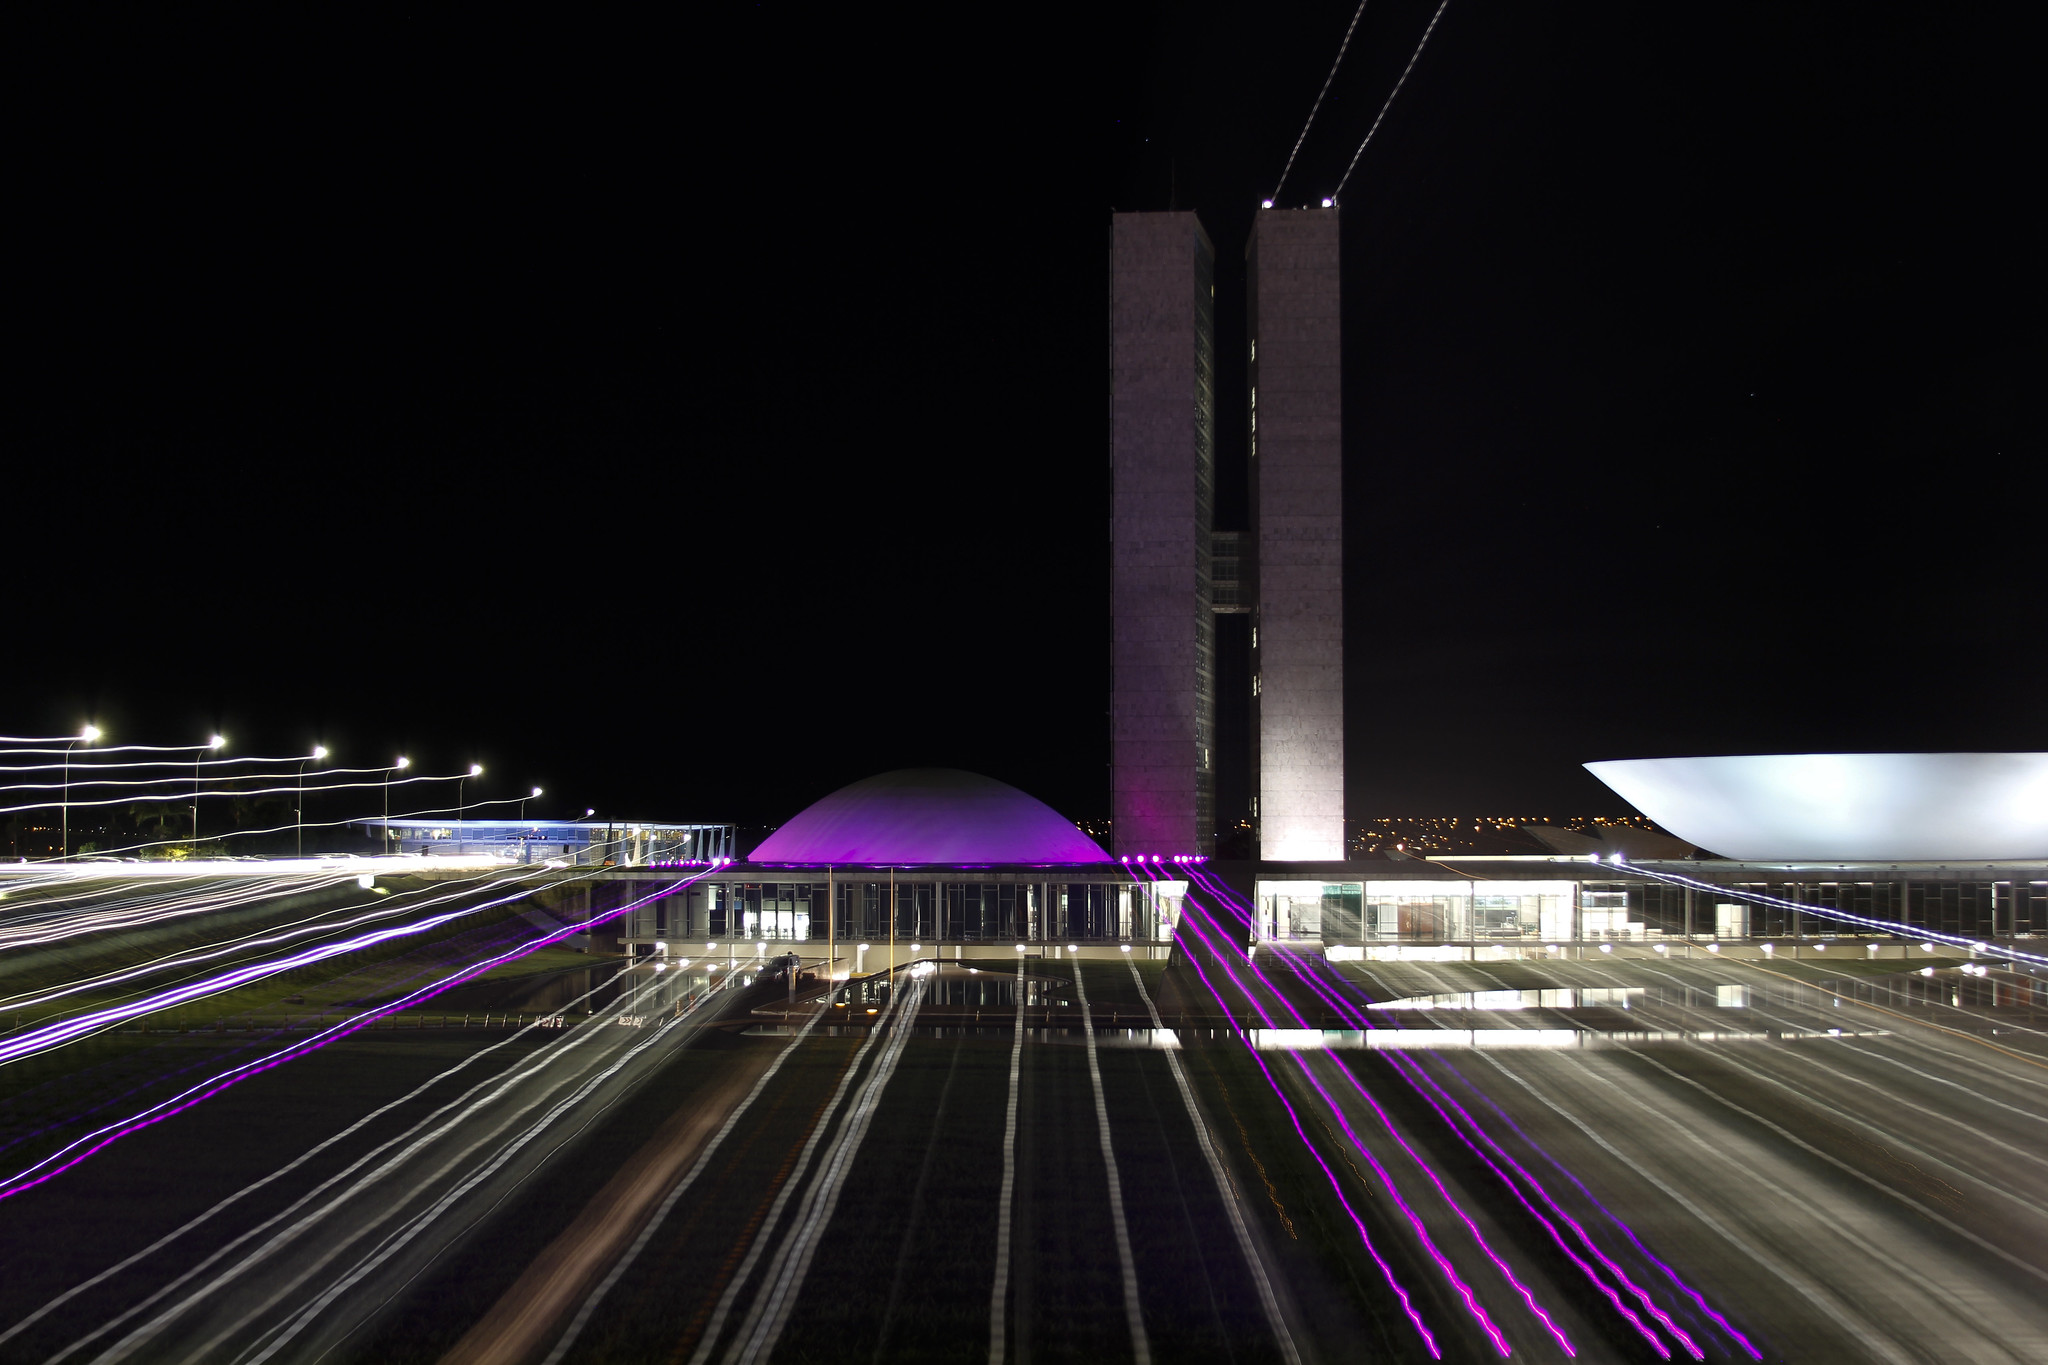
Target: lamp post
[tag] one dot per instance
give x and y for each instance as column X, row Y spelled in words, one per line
column 403, row 762
column 461, row 809
column 85, row 736
column 213, row 745
column 522, row 804
column 319, row 752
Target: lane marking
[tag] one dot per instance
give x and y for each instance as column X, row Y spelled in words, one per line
column 1224, row 1189
column 784, row 1278
column 999, row 1294
column 1140, row 1347
column 697, row 1168
column 716, row 1327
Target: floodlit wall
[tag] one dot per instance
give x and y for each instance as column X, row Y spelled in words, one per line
column 1162, row 454
column 1297, row 473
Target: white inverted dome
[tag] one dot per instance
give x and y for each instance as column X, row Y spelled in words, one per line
column 1845, row 807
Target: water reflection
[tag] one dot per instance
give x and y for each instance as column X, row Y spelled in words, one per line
column 965, row 988
column 1350, row 1040
column 1942, row 988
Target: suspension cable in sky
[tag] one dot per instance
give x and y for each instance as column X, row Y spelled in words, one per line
column 1317, row 106
column 1412, row 57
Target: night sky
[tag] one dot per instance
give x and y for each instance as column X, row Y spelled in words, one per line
column 694, row 414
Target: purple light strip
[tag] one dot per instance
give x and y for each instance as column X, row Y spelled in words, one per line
column 20, row 1181
column 252, row 1043
column 1402, row 1065
column 1386, row 1121
column 1414, row 1072
column 1411, row 1070
column 1627, row 1231
column 1295, row 961
column 1386, row 1270
column 1472, row 1304
column 52, row 1035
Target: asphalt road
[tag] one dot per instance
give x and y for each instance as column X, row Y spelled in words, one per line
column 1845, row 1179
column 1614, row 1158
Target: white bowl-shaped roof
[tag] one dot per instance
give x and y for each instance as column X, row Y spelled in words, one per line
column 1845, row 807
column 929, row 815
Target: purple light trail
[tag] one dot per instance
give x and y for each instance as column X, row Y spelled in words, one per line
column 1418, row 1077
column 1400, row 1293
column 1464, row 1290
column 31, row 1176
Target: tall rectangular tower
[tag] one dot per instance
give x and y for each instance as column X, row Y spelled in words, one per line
column 1162, row 462
column 1297, row 474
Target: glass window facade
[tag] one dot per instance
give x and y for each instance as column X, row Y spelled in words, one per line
column 1395, row 911
column 994, row 908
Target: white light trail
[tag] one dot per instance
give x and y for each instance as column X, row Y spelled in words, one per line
column 293, row 790
column 1412, row 59
column 54, row 864
column 1315, row 108
column 36, row 1174
column 185, row 782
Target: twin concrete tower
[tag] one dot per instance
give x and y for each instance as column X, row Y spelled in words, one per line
column 1173, row 572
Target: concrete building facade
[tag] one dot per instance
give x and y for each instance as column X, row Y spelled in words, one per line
column 1162, row 462
column 1296, row 420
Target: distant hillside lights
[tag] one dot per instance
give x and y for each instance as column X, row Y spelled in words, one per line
column 1421, row 836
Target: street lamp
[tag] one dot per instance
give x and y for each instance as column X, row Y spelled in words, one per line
column 403, row 762
column 319, row 752
column 214, row 745
column 85, row 736
column 522, row 804
column 461, row 809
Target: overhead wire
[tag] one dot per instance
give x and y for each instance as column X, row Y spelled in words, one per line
column 1320, row 96
column 1412, row 58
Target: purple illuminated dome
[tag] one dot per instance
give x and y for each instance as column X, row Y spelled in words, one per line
column 929, row 815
